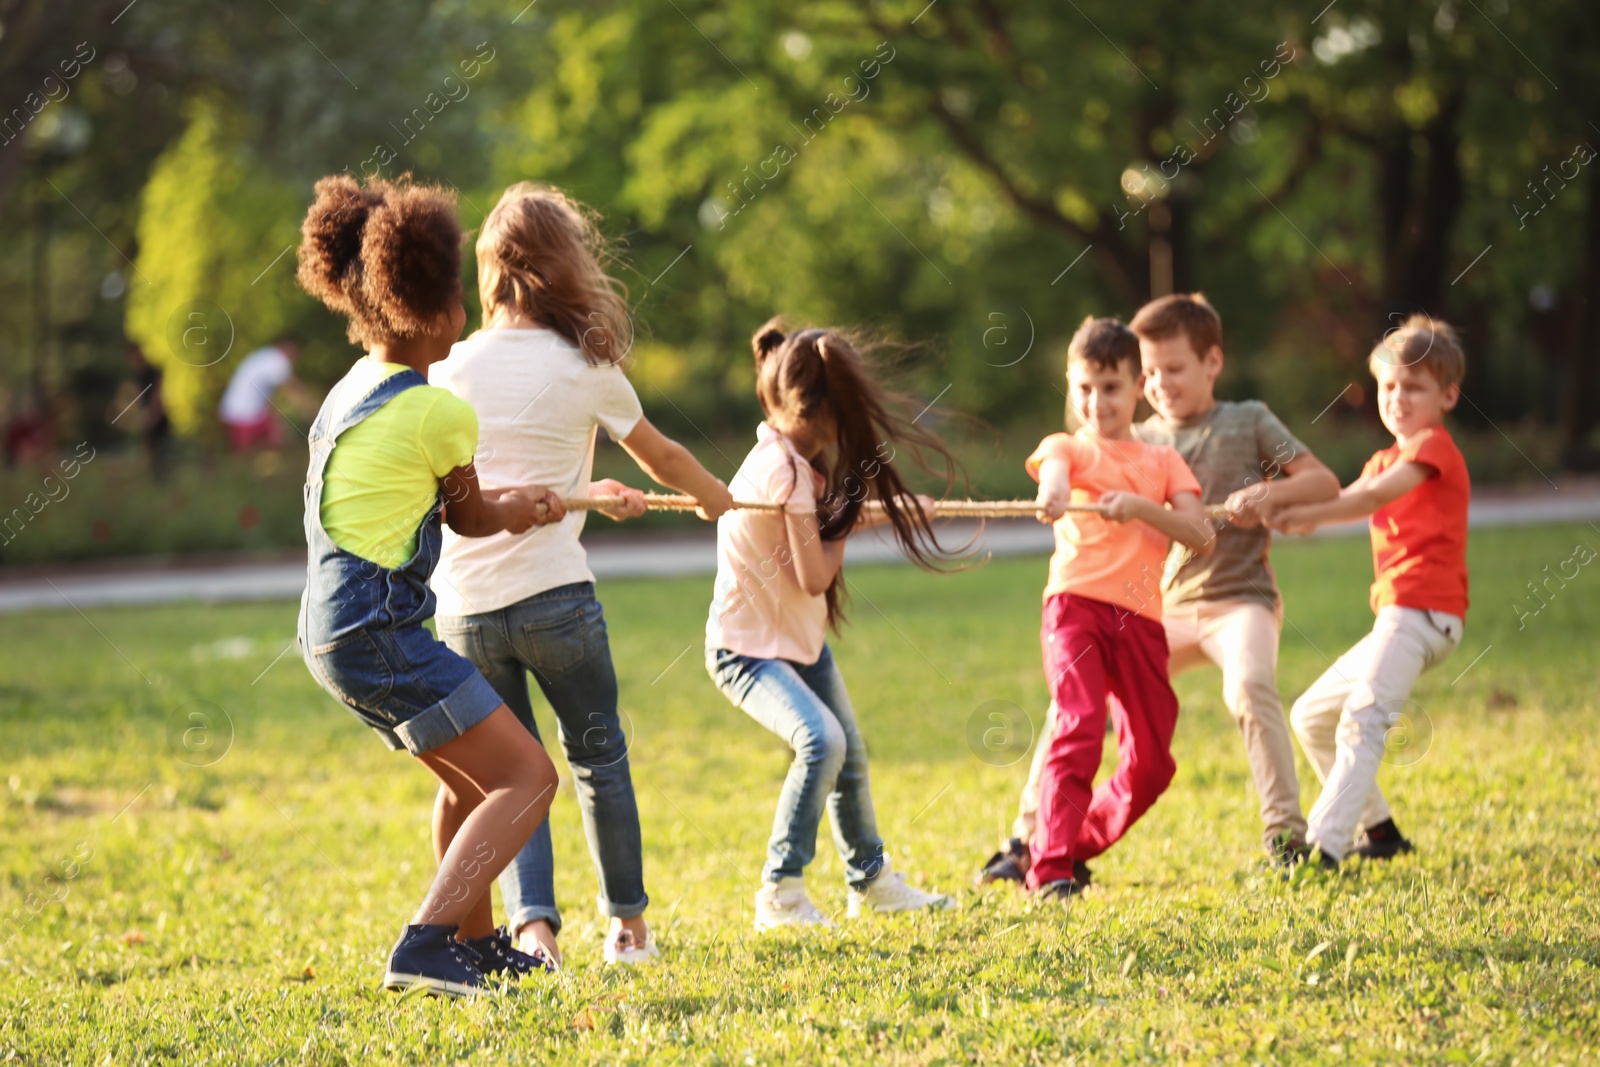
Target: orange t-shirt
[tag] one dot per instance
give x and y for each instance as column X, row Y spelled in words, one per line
column 1116, row 562
column 1419, row 541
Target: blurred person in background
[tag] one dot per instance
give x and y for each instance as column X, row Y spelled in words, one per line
column 247, row 410
column 30, row 431
column 139, row 408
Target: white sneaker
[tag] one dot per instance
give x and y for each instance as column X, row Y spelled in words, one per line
column 784, row 903
column 624, row 949
column 889, row 893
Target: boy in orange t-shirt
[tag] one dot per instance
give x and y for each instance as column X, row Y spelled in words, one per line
column 1416, row 492
column 1102, row 632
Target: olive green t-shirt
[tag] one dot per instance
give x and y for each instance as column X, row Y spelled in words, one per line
column 1234, row 445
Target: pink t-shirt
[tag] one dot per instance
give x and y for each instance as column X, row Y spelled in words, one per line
column 758, row 607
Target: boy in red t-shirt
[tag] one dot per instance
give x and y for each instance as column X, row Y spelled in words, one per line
column 1102, row 632
column 1416, row 492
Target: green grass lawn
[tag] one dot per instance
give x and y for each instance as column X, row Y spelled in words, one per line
column 226, row 893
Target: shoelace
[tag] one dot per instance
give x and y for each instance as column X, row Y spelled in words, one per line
column 466, row 954
column 509, row 957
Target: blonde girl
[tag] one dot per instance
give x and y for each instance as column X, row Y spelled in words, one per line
column 545, row 375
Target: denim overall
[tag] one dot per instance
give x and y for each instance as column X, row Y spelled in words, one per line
column 360, row 627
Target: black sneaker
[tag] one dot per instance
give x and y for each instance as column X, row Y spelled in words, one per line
column 1081, row 874
column 1006, row 865
column 1062, row 890
column 498, row 955
column 1383, row 841
column 431, row 957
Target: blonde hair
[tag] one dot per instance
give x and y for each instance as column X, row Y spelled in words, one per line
column 1422, row 341
column 539, row 253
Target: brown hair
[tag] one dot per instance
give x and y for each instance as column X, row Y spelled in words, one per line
column 1190, row 314
column 387, row 255
column 804, row 372
column 1424, row 341
column 1104, row 344
column 540, row 252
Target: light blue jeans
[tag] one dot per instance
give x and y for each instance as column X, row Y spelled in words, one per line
column 560, row 635
column 807, row 706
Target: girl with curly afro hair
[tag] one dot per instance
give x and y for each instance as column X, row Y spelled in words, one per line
column 391, row 462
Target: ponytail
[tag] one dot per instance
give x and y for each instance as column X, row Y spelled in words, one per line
column 805, row 371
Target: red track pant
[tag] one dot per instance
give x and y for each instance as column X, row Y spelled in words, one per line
column 1094, row 651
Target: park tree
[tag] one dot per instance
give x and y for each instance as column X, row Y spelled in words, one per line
column 974, row 175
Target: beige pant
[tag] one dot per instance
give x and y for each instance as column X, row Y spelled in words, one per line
column 1345, row 718
column 1241, row 637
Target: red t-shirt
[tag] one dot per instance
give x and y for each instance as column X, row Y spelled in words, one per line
column 1419, row 541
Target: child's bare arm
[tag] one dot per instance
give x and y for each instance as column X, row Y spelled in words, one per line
column 1360, row 499
column 1304, row 480
column 669, row 463
column 815, row 561
column 1055, row 488
column 632, row 505
column 475, row 512
column 1184, row 521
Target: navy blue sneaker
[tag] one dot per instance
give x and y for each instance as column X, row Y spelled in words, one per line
column 431, row 957
column 498, row 955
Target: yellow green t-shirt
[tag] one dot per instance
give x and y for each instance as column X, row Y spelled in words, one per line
column 384, row 472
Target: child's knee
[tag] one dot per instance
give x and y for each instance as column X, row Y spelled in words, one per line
column 821, row 746
column 1303, row 717
column 1162, row 774
column 600, row 746
column 537, row 776
column 1252, row 696
column 1151, row 779
column 1362, row 727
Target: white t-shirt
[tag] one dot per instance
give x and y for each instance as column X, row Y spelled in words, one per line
column 249, row 391
column 758, row 607
column 538, row 403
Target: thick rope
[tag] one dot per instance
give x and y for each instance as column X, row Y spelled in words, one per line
column 962, row 509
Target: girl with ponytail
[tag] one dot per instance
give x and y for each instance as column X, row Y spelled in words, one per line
column 826, row 452
column 391, row 463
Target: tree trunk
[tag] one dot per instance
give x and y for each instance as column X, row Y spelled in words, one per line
column 1418, row 218
column 1422, row 284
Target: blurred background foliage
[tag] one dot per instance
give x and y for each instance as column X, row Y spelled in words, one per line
column 970, row 176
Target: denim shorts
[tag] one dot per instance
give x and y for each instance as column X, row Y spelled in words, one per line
column 407, row 686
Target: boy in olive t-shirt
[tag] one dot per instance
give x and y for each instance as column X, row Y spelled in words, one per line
column 1222, row 607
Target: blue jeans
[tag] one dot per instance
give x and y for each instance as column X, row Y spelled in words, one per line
column 807, row 706
column 560, row 635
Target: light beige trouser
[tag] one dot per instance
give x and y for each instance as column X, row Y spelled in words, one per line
column 1241, row 637
column 1344, row 719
